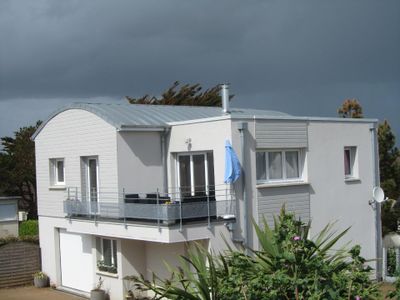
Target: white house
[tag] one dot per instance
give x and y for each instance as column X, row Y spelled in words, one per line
column 123, row 188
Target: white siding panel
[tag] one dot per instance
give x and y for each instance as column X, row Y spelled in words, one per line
column 281, row 134
column 70, row 135
column 140, row 162
column 295, row 198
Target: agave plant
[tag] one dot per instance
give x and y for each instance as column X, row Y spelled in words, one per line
column 195, row 279
column 288, row 265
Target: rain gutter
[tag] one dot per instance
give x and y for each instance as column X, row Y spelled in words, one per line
column 378, row 222
column 242, row 127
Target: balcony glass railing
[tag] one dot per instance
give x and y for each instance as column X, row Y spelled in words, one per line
column 207, row 204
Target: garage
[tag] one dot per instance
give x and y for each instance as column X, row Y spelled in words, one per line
column 76, row 261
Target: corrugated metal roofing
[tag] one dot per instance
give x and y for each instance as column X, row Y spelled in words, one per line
column 142, row 115
column 159, row 115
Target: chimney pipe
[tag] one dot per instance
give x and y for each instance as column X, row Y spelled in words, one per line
column 225, row 98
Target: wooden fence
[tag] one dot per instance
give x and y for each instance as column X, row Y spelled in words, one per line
column 18, row 261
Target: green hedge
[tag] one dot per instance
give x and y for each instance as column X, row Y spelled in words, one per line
column 12, row 239
column 29, row 228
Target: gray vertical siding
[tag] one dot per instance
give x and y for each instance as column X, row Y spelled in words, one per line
column 281, row 134
column 295, row 198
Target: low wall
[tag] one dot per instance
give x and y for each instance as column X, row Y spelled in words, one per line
column 8, row 228
column 18, row 261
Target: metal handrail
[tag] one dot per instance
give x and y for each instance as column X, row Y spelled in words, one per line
column 160, row 208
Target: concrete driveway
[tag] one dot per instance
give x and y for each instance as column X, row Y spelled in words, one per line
column 32, row 293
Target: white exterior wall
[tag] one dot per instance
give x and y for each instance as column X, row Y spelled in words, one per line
column 158, row 254
column 334, row 199
column 8, row 228
column 139, row 162
column 331, row 197
column 70, row 135
column 205, row 136
column 134, row 256
column 49, row 247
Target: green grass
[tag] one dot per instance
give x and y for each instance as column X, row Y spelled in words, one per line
column 29, row 228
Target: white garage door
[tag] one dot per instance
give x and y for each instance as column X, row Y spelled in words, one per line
column 76, row 261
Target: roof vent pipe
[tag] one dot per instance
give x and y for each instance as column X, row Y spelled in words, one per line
column 225, row 98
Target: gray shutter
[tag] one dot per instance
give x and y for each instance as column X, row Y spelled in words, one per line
column 281, row 134
column 295, row 198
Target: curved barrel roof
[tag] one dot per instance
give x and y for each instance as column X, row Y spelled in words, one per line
column 143, row 115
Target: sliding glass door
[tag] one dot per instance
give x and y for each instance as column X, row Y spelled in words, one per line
column 196, row 175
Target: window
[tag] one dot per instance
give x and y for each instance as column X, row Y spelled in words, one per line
column 278, row 165
column 90, row 177
column 108, row 255
column 350, row 170
column 196, row 174
column 8, row 212
column 57, row 171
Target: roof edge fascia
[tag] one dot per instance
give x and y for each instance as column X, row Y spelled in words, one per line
column 315, row 119
column 123, row 128
column 202, row 120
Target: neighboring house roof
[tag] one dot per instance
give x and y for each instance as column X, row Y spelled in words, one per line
column 143, row 115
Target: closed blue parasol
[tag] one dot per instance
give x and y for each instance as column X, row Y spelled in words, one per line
column 232, row 164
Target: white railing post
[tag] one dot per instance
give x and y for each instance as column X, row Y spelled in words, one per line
column 124, row 206
column 158, row 210
column 180, row 215
column 208, row 209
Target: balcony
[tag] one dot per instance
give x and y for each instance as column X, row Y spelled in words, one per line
column 175, row 208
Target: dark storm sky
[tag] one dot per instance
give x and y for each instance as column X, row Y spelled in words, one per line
column 302, row 57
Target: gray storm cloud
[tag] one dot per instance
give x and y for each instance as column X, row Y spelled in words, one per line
column 302, row 57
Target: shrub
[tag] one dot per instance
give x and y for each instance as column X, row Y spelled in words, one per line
column 12, row 239
column 396, row 293
column 391, row 261
column 28, row 228
column 288, row 265
column 291, row 266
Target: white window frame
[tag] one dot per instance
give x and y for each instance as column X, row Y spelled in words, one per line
column 114, row 252
column 191, row 154
column 300, row 166
column 353, row 162
column 89, row 194
column 54, row 171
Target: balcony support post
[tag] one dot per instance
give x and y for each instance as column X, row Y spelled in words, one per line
column 124, row 206
column 180, row 215
column 208, row 208
column 158, row 210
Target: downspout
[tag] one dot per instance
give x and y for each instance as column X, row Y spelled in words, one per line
column 164, row 158
column 378, row 222
column 242, row 127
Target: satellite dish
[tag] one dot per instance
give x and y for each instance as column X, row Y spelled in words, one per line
column 378, row 194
